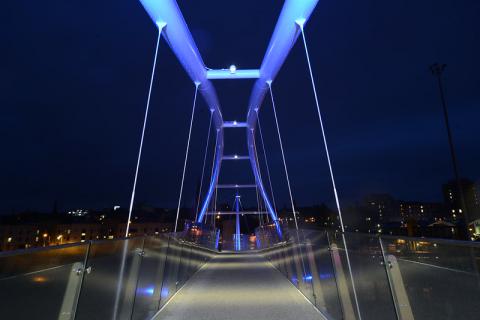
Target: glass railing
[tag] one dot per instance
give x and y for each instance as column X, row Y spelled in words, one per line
column 346, row 276
column 111, row 279
column 245, row 242
column 363, row 276
column 434, row 279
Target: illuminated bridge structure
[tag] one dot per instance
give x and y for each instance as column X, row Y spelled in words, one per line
column 289, row 274
column 170, row 23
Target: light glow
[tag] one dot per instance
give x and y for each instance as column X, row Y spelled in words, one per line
column 148, row 291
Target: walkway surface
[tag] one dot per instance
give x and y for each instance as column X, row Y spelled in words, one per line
column 238, row 287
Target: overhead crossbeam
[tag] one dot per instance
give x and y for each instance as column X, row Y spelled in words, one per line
column 223, row 213
column 234, row 124
column 228, row 74
column 235, row 186
column 235, row 157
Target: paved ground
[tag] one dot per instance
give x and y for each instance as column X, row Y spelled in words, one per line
column 238, row 286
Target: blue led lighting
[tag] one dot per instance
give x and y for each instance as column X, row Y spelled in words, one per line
column 164, row 292
column 147, row 291
column 307, row 278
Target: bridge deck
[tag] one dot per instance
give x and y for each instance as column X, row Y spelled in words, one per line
column 238, row 286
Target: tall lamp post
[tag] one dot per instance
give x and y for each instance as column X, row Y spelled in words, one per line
column 437, row 70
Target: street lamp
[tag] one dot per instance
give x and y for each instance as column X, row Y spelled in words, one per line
column 437, row 71
column 45, row 235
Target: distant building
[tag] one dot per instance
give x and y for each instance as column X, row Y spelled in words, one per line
column 422, row 211
column 78, row 213
column 319, row 215
column 24, row 236
column 475, row 229
column 383, row 208
column 453, row 203
column 382, row 213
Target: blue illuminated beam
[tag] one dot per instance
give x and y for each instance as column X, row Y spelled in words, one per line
column 230, row 74
column 284, row 37
column 167, row 13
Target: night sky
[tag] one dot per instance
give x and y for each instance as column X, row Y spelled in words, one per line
column 74, row 81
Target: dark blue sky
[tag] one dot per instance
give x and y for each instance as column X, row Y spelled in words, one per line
column 74, row 79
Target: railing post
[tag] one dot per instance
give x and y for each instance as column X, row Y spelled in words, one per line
column 164, row 276
column 74, row 287
column 316, row 285
column 288, row 260
column 342, row 286
column 70, row 298
column 133, row 277
column 397, row 287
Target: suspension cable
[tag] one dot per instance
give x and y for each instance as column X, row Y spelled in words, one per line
column 300, row 23
column 288, row 180
column 283, row 156
column 258, row 201
column 132, row 198
column 323, row 132
column 203, row 168
column 259, row 197
column 266, row 163
column 214, row 207
column 197, row 84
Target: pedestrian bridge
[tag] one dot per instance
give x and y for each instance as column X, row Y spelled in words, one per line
column 282, row 272
column 184, row 276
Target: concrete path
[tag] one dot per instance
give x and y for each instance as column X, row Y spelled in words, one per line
column 238, row 287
